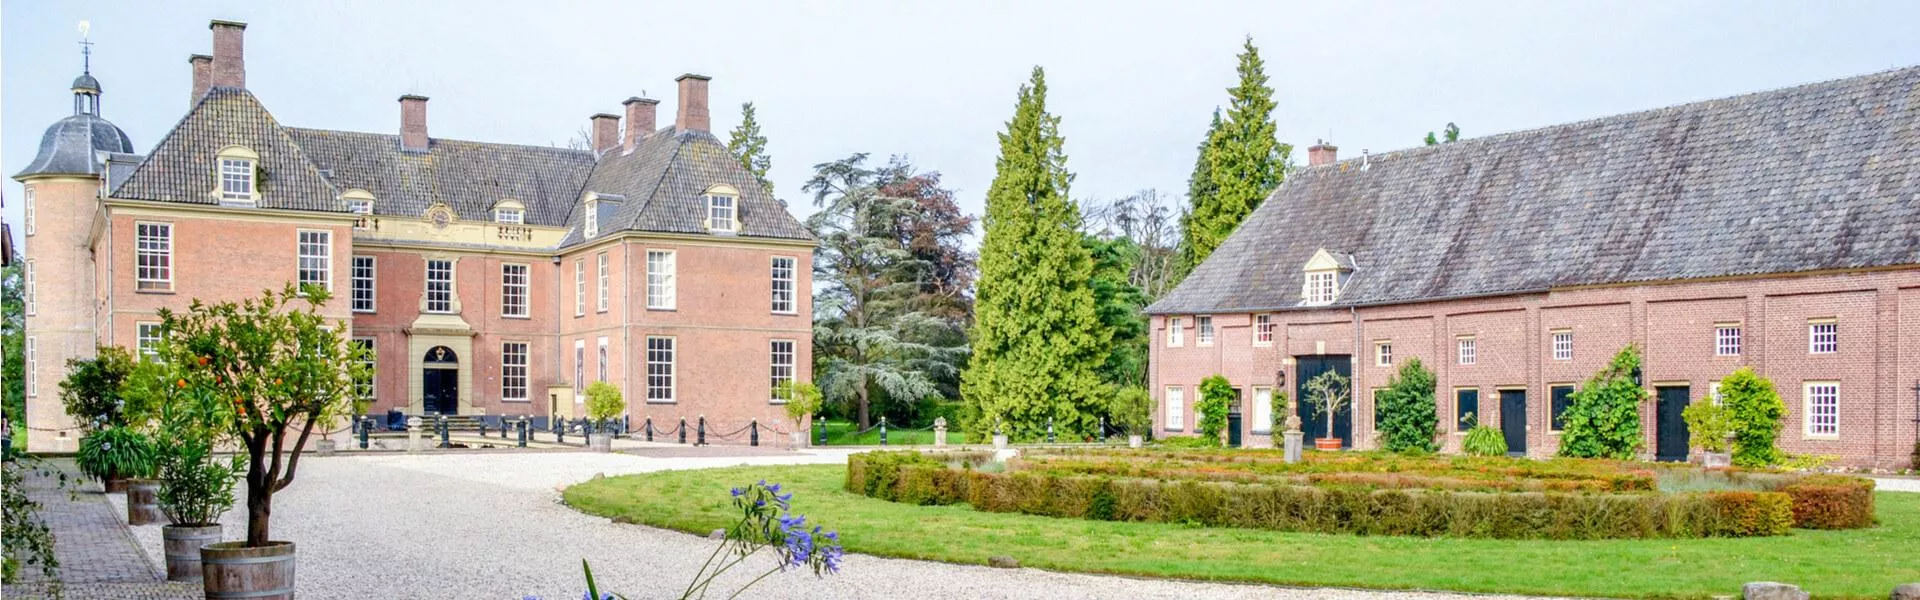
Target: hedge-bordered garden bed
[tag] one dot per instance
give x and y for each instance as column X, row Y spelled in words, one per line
column 1373, row 494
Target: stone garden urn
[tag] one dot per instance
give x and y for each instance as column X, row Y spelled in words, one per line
column 1135, row 440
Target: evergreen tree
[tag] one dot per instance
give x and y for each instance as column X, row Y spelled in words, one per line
column 1201, row 191
column 1245, row 161
column 1120, row 305
column 1036, row 335
column 750, row 146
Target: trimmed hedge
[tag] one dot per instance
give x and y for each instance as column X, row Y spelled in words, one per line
column 1831, row 502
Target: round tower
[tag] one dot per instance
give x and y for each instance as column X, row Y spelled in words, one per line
column 63, row 189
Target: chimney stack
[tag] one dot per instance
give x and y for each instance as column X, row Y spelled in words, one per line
column 202, row 76
column 413, row 123
column 1322, row 153
column 229, row 53
column 640, row 124
column 693, row 104
column 606, row 132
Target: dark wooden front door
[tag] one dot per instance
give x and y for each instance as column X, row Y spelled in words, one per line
column 1314, row 425
column 1670, row 429
column 1513, row 420
column 440, row 390
column 1234, row 420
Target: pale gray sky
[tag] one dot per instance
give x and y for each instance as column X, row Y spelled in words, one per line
column 1134, row 81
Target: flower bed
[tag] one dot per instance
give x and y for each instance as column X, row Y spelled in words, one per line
column 1371, row 494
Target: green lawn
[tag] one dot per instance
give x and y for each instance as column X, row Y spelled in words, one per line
column 841, row 433
column 1856, row 564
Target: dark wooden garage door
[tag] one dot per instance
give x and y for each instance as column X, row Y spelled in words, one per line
column 1315, row 426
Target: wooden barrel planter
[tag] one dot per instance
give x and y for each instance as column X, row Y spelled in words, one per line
column 183, row 544
column 116, row 485
column 232, row 570
column 143, row 502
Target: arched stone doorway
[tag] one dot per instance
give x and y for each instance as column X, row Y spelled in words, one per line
column 440, row 381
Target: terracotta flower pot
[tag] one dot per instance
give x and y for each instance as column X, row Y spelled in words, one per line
column 233, row 570
column 1326, row 443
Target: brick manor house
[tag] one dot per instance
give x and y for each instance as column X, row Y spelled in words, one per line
column 1778, row 230
column 489, row 278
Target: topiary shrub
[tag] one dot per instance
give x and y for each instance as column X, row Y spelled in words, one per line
column 1216, row 398
column 1708, row 425
column 1409, row 417
column 604, row 401
column 1831, row 502
column 1485, row 441
column 1603, row 420
column 1755, row 410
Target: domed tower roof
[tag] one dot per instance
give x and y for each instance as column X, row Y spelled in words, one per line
column 70, row 145
column 86, row 82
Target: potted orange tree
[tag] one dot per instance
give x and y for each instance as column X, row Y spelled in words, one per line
column 1328, row 394
column 275, row 369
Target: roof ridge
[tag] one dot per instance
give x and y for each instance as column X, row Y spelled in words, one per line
column 585, row 153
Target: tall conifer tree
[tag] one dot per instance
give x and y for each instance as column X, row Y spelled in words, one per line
column 750, row 146
column 1201, row 191
column 1244, row 159
column 1037, row 339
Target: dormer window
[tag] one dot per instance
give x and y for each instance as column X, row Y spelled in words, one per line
column 237, row 169
column 590, row 224
column 510, row 212
column 360, row 202
column 1322, row 286
column 723, row 209
column 1324, row 276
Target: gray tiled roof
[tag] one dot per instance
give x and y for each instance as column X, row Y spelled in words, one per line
column 181, row 166
column 663, row 180
column 1821, row 176
column 70, row 146
column 469, row 176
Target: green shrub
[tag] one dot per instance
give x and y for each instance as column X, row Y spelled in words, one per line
column 1708, row 425
column 1409, row 417
column 1188, row 441
column 117, row 453
column 1132, row 409
column 1604, row 419
column 803, row 399
column 603, row 401
column 1216, row 398
column 1831, row 502
column 1755, row 409
column 93, row 386
column 1485, row 441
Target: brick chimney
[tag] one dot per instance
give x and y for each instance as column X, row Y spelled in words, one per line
column 640, row 124
column 1322, row 153
column 606, row 132
column 202, row 76
column 413, row 123
column 693, row 104
column 229, row 53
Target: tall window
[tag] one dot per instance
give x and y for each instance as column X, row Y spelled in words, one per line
column 32, row 290
column 1262, row 409
column 604, row 285
column 513, row 371
column 28, row 215
column 1823, row 337
column 1468, row 352
column 1563, row 345
column 1383, row 354
column 590, row 221
column 236, row 179
column 1562, row 397
column 513, row 290
column 1322, row 287
column 1726, row 339
column 603, row 359
column 1466, row 409
column 721, row 213
column 579, row 366
column 33, row 367
column 660, row 279
column 153, row 256
column 781, row 356
column 364, row 387
column 362, row 280
column 579, row 287
column 1204, row 333
column 783, row 285
column 1176, row 332
column 364, row 208
column 659, row 369
column 147, row 339
column 316, row 258
column 1176, row 408
column 440, row 286
column 1823, row 409
column 1262, row 330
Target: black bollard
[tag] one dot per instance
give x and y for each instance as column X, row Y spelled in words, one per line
column 522, row 427
column 683, row 430
column 444, row 432
column 648, row 425
column 703, row 431
column 753, row 432
column 366, row 424
column 820, row 430
column 1049, row 430
column 883, row 430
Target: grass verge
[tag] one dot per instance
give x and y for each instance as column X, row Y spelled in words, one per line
column 842, row 433
column 1863, row 563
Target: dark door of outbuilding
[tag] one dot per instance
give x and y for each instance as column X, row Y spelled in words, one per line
column 1670, row 429
column 1315, row 425
column 1234, row 420
column 1513, row 420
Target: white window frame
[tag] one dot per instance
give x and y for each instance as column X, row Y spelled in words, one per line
column 30, row 291
column 1176, row 332
column 307, row 242
column 516, row 290
column 447, row 302
column 1382, row 353
column 236, row 173
column 1817, row 422
column 370, row 388
column 783, row 281
column 579, row 366
column 1175, row 401
column 579, row 287
column 1713, row 392
column 1562, row 343
column 146, row 340
column 590, row 220
column 1203, row 330
column 782, row 361
column 662, row 354
column 508, row 215
column 1263, row 327
column 1263, row 409
column 1468, row 349
column 514, row 371
column 364, row 208
column 368, row 283
column 1726, row 339
column 603, row 359
column 33, row 367
column 1823, row 336
column 723, row 213
column 152, row 241
column 1322, row 287
column 27, row 216
column 660, row 279
column 604, row 288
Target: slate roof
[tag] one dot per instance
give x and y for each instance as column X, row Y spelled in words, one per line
column 469, row 176
column 181, row 166
column 663, row 180
column 1820, row 176
column 69, row 145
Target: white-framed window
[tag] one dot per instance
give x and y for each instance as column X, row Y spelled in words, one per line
column 153, row 256
column 1176, row 408
column 660, row 292
column 27, row 216
column 1823, row 409
column 603, row 358
column 579, row 367
column 29, row 295
column 1823, row 336
column 362, row 280
column 605, row 285
column 146, row 339
column 590, row 220
column 1563, row 345
column 722, row 213
column 783, row 285
column 1262, row 409
column 509, row 215
column 780, row 355
column 440, row 286
column 1383, row 354
column 1468, row 351
column 236, row 179
column 33, row 367
column 316, row 258
column 1176, row 332
column 1263, row 330
column 1726, row 339
column 579, row 287
column 1203, row 331
column 364, row 208
column 513, row 371
column 659, row 369
column 1713, row 392
column 1322, row 287
column 513, row 290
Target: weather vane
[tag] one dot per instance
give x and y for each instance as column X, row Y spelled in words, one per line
column 86, row 48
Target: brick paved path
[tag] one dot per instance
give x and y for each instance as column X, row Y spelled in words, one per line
column 99, row 557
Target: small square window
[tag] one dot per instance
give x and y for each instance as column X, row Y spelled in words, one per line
column 1823, row 337
column 1383, row 354
column 1263, row 330
column 1204, row 334
column 721, row 213
column 1469, row 353
column 1563, row 345
column 236, row 179
column 147, row 340
column 1726, row 339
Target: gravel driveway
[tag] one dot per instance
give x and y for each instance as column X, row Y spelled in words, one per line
column 478, row 526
